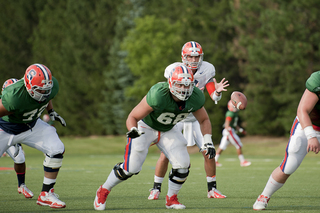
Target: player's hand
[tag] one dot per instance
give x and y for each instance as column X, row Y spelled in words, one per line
column 242, row 131
column 221, row 85
column 54, row 116
column 210, row 150
column 313, row 145
column 134, row 133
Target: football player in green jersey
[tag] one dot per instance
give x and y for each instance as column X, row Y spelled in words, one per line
column 153, row 120
column 17, row 155
column 21, row 105
column 229, row 135
column 304, row 137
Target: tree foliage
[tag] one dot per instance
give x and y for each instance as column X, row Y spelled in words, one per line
column 107, row 54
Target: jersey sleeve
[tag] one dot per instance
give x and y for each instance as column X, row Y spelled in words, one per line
column 313, row 83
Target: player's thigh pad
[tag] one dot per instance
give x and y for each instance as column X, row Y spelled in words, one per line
column 198, row 137
column 235, row 139
column 136, row 149
column 44, row 138
column 6, row 141
column 16, row 150
column 188, row 133
column 296, row 151
column 174, row 146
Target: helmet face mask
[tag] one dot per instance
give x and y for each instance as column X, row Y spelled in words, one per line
column 192, row 48
column 38, row 82
column 181, row 82
column 231, row 107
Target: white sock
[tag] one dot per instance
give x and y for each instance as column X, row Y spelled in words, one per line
column 271, row 187
column 211, row 179
column 217, row 157
column 241, row 158
column 173, row 188
column 111, row 181
column 48, row 181
column 158, row 179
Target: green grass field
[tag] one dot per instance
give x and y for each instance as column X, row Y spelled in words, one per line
column 88, row 162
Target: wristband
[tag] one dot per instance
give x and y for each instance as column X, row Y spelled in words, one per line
column 309, row 132
column 207, row 139
column 215, row 97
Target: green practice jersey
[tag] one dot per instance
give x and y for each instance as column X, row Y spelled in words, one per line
column 16, row 99
column 234, row 118
column 313, row 85
column 166, row 112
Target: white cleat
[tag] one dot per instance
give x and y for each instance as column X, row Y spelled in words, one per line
column 25, row 191
column 50, row 199
column 261, row 203
column 154, row 194
column 215, row 193
column 245, row 163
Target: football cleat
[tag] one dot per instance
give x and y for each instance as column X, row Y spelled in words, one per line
column 154, row 194
column 173, row 203
column 261, row 203
column 245, row 163
column 25, row 191
column 100, row 199
column 50, row 199
column 218, row 164
column 214, row 193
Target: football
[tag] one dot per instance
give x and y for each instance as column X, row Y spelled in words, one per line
column 239, row 100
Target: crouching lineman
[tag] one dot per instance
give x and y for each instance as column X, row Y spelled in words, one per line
column 21, row 105
column 153, row 121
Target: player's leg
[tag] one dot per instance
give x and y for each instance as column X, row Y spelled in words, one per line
column 45, row 138
column 17, row 155
column 295, row 152
column 136, row 152
column 209, row 164
column 174, row 146
column 236, row 142
column 224, row 142
column 160, row 172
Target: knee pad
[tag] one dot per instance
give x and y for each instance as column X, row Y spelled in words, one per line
column 120, row 173
column 179, row 176
column 52, row 164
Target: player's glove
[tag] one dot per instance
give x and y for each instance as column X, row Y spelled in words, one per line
column 54, row 116
column 242, row 131
column 210, row 150
column 134, row 133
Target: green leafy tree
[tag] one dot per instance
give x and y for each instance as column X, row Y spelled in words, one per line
column 73, row 40
column 18, row 20
column 278, row 47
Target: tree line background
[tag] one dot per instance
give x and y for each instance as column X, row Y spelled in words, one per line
column 107, row 54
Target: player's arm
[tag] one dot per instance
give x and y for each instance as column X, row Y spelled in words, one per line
column 3, row 110
column 54, row 116
column 138, row 113
column 307, row 103
column 215, row 89
column 206, row 129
